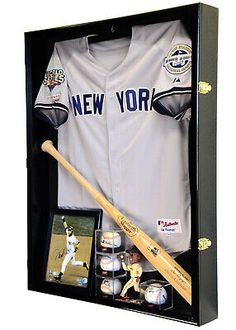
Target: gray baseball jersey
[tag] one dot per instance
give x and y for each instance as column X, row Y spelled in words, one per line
column 122, row 109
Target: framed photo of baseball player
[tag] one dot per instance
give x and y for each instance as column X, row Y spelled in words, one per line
column 70, row 247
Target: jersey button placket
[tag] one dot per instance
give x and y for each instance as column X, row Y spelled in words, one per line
column 113, row 137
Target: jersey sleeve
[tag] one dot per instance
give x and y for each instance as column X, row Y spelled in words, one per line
column 52, row 102
column 76, row 241
column 174, row 97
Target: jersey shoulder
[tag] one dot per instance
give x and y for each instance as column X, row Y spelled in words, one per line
column 67, row 48
column 162, row 34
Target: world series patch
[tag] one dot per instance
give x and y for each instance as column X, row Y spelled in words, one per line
column 179, row 59
column 53, row 78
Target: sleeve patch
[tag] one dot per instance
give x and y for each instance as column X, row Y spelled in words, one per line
column 53, row 78
column 179, row 59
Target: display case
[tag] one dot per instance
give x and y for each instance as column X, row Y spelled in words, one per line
column 128, row 109
column 109, row 273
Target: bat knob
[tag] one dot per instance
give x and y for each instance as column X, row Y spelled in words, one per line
column 45, row 144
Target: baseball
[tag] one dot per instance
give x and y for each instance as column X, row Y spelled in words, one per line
column 111, row 286
column 155, row 294
column 110, row 263
column 110, row 239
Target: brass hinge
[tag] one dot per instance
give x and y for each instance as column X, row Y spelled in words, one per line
column 204, row 243
column 204, row 87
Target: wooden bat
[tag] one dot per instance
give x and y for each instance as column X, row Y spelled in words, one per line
column 153, row 252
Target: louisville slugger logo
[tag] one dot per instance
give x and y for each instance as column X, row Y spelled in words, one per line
column 129, row 228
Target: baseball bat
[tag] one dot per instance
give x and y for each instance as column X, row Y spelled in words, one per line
column 152, row 251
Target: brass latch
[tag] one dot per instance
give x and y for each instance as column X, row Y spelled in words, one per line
column 204, row 87
column 204, row 243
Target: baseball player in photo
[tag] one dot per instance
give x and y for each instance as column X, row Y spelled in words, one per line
column 122, row 109
column 135, row 270
column 72, row 244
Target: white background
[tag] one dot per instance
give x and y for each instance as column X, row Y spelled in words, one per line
column 30, row 310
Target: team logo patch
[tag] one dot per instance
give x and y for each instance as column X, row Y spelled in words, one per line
column 53, row 78
column 179, row 59
column 169, row 226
